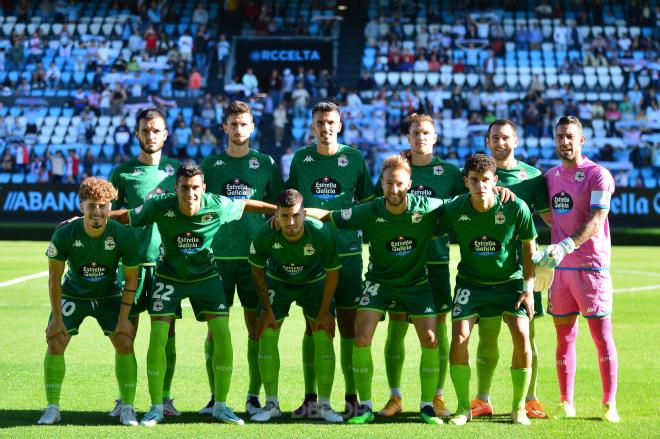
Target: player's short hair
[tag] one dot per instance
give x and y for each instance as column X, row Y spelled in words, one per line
column 419, row 118
column 189, row 170
column 149, row 114
column 394, row 162
column 289, row 198
column 238, row 107
column 481, row 163
column 98, row 189
column 325, row 107
column 569, row 120
column 501, row 123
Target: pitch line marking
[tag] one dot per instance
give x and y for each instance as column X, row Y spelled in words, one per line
column 633, row 289
column 18, row 280
column 642, row 273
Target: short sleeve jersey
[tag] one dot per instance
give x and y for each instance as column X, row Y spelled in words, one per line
column 300, row 262
column 398, row 244
column 186, row 250
column 333, row 182
column 528, row 183
column 489, row 240
column 438, row 179
column 573, row 193
column 136, row 182
column 253, row 176
column 92, row 262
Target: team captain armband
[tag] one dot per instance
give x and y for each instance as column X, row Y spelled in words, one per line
column 600, row 200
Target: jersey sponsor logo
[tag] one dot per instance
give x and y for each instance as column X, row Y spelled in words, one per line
column 77, row 243
column 342, row 161
column 438, row 170
column 485, row 246
column 237, row 189
column 401, row 246
column 94, row 272
column 170, row 214
column 308, row 250
column 170, row 170
column 326, row 188
column 218, row 163
column 562, row 203
column 464, row 218
column 522, row 174
column 293, row 269
column 308, row 159
column 109, row 243
column 277, row 246
column 207, row 217
column 579, row 175
column 346, row 214
column 416, row 217
column 499, row 217
column 253, row 163
column 381, row 220
column 423, row 191
column 189, row 243
column 51, row 251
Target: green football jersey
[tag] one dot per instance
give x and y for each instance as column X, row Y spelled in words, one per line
column 398, row 244
column 92, row 271
column 136, row 182
column 187, row 255
column 333, row 182
column 527, row 183
column 253, row 176
column 438, row 179
column 300, row 262
column 488, row 240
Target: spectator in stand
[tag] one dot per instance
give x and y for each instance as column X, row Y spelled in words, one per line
column 53, row 75
column 39, row 76
column 57, row 166
column 201, row 47
column 35, row 166
column 122, row 137
column 597, row 110
column 612, row 116
column 561, row 36
column 7, row 161
column 421, row 64
column 151, row 41
column 222, row 50
column 521, row 38
column 288, row 83
column 185, row 45
column 66, row 45
column 194, row 83
column 117, row 100
column 280, row 121
column 88, row 162
column 301, row 99
column 535, row 37
column 209, row 138
column 21, row 157
column 575, row 37
column 250, row 82
column 154, row 14
column 180, row 82
column 182, row 137
column 285, row 163
column 200, row 15
column 72, row 166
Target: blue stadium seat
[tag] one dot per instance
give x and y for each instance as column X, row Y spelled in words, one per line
column 31, row 179
column 5, row 177
column 17, row 178
column 206, row 150
column 108, row 151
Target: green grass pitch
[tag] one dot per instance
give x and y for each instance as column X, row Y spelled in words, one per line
column 90, row 387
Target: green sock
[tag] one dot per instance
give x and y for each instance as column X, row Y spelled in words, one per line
column 487, row 353
column 309, row 374
column 429, row 368
column 54, row 368
column 346, row 358
column 126, row 372
column 535, row 362
column 223, row 357
column 269, row 360
column 324, row 362
column 170, row 361
column 156, row 359
column 520, row 379
column 395, row 351
column 208, row 354
column 443, row 353
column 363, row 369
column 253, row 366
column 460, row 377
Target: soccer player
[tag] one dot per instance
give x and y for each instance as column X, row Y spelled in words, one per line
column 92, row 246
column 400, row 226
column 431, row 177
column 580, row 192
column 137, row 180
column 527, row 183
column 187, row 221
column 297, row 263
column 333, row 176
column 490, row 281
column 239, row 172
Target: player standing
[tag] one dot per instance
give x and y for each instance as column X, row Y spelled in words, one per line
column 490, row 282
column 93, row 247
column 333, row 176
column 240, row 172
column 527, row 183
column 137, row 180
column 297, row 263
column 580, row 192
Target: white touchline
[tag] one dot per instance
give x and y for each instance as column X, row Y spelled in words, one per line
column 18, row 280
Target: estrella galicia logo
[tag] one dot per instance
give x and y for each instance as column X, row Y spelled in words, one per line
column 94, row 272
column 293, row 269
column 485, row 246
column 326, row 188
column 562, row 203
column 237, row 189
column 189, row 243
column 401, row 246
column 422, row 191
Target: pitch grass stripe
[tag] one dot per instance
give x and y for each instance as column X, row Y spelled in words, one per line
column 18, row 280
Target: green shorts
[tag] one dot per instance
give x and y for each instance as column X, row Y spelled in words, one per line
column 486, row 301
column 306, row 296
column 416, row 300
column 105, row 311
column 349, row 286
column 538, row 304
column 205, row 297
column 439, row 279
column 236, row 275
column 146, row 275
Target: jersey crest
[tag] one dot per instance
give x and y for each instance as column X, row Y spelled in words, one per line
column 109, row 243
column 342, row 161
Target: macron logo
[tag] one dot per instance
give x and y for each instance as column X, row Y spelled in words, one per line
column 78, row 243
column 381, row 220
column 309, row 158
column 464, row 218
column 169, row 214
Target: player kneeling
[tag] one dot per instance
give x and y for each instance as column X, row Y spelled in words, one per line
column 92, row 246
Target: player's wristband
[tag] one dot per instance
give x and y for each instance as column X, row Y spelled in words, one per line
column 127, row 303
column 528, row 285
